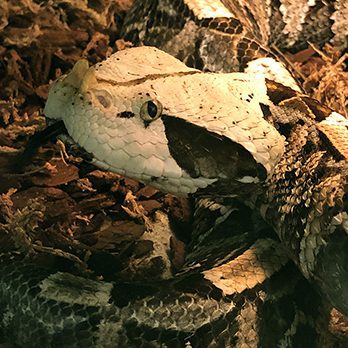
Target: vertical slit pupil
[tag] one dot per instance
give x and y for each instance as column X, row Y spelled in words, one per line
column 152, row 109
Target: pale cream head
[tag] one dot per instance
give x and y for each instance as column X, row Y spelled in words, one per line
column 123, row 110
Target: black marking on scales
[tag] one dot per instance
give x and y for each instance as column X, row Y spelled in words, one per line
column 126, row 114
column 203, row 153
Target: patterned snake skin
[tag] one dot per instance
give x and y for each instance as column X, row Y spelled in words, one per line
column 225, row 36
column 271, row 152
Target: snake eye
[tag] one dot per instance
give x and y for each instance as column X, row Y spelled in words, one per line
column 151, row 110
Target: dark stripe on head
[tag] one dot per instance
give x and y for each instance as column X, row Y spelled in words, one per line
column 203, row 153
column 126, row 114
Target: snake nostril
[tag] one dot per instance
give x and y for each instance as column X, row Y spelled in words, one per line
column 103, row 101
column 104, row 98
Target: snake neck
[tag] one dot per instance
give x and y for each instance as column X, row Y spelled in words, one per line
column 305, row 200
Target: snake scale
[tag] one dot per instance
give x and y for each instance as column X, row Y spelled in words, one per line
column 261, row 149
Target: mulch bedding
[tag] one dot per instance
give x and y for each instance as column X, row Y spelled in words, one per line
column 61, row 206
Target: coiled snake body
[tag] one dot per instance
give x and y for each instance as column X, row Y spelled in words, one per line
column 237, row 136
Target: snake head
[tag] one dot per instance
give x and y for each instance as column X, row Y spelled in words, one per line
column 144, row 114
